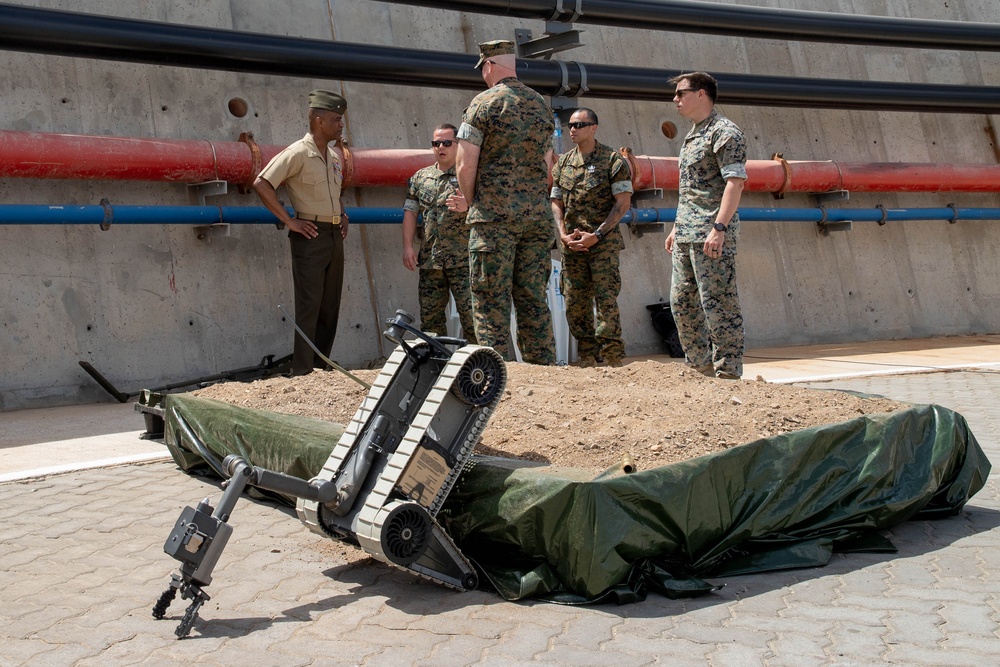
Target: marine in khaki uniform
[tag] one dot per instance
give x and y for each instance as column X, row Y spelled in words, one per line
column 311, row 171
column 504, row 155
column 591, row 191
column 443, row 259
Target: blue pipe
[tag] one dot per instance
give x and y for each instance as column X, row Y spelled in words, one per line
column 952, row 214
column 107, row 214
column 18, row 214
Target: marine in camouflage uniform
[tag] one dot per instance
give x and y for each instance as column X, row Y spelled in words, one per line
column 443, row 259
column 591, row 191
column 703, row 296
column 505, row 142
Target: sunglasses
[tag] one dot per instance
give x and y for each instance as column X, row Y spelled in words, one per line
column 446, row 143
column 681, row 92
column 579, row 126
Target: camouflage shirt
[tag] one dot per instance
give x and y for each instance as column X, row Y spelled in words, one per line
column 446, row 236
column 587, row 186
column 513, row 128
column 715, row 149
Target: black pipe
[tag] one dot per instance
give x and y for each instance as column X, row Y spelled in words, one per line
column 128, row 40
column 756, row 22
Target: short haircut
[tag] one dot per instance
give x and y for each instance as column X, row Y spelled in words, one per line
column 447, row 126
column 699, row 81
column 591, row 116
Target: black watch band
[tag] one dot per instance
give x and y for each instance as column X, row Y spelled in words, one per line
column 598, row 234
column 719, row 227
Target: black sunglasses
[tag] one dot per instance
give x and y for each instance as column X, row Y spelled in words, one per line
column 579, row 126
column 446, row 143
column 681, row 92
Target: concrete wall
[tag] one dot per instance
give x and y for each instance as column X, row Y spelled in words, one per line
column 152, row 305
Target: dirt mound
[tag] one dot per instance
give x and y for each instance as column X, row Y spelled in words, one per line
column 657, row 412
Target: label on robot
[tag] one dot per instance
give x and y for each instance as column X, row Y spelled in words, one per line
column 424, row 476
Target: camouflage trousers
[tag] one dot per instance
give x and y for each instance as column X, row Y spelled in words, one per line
column 434, row 288
column 511, row 261
column 590, row 278
column 706, row 307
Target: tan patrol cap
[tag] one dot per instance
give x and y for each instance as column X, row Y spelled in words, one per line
column 498, row 47
column 324, row 99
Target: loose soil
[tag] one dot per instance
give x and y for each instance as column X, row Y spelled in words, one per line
column 657, row 412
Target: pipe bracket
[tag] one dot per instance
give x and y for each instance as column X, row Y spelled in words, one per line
column 109, row 214
column 779, row 158
column 255, row 162
column 348, row 177
column 885, row 215
column 954, row 214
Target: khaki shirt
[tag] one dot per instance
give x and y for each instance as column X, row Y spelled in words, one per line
column 312, row 184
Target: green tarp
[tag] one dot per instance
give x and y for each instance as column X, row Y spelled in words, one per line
column 776, row 503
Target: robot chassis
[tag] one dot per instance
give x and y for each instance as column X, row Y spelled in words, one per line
column 384, row 482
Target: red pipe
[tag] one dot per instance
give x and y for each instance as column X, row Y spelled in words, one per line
column 87, row 157
column 71, row 156
column 779, row 176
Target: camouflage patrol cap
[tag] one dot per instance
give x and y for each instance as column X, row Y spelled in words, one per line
column 498, row 47
column 324, row 99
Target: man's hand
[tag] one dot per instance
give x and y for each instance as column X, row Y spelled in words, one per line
column 304, row 227
column 668, row 245
column 582, row 241
column 409, row 258
column 344, row 222
column 457, row 202
column 713, row 244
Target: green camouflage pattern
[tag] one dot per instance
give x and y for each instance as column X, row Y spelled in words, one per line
column 589, row 279
column 513, row 128
column 511, row 263
column 587, row 186
column 443, row 259
column 714, row 149
column 434, row 286
column 513, row 230
column 445, row 242
column 706, row 307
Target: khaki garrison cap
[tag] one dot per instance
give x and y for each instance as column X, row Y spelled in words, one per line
column 498, row 47
column 324, row 99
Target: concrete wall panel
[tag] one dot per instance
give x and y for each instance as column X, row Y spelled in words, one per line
column 149, row 305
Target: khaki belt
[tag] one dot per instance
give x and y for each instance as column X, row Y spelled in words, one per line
column 332, row 219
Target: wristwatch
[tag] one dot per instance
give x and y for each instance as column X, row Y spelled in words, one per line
column 719, row 227
column 598, row 234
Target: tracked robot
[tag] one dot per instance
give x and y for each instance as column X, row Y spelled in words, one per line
column 384, row 482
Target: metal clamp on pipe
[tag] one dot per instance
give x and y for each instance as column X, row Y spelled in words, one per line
column 954, row 217
column 780, row 159
column 885, row 215
column 109, row 214
column 559, row 14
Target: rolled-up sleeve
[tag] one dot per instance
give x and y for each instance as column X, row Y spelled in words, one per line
column 468, row 133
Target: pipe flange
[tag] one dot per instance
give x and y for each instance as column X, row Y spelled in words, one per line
column 885, row 215
column 779, row 158
column 255, row 162
column 109, row 214
column 629, row 156
column 348, row 175
column 954, row 214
